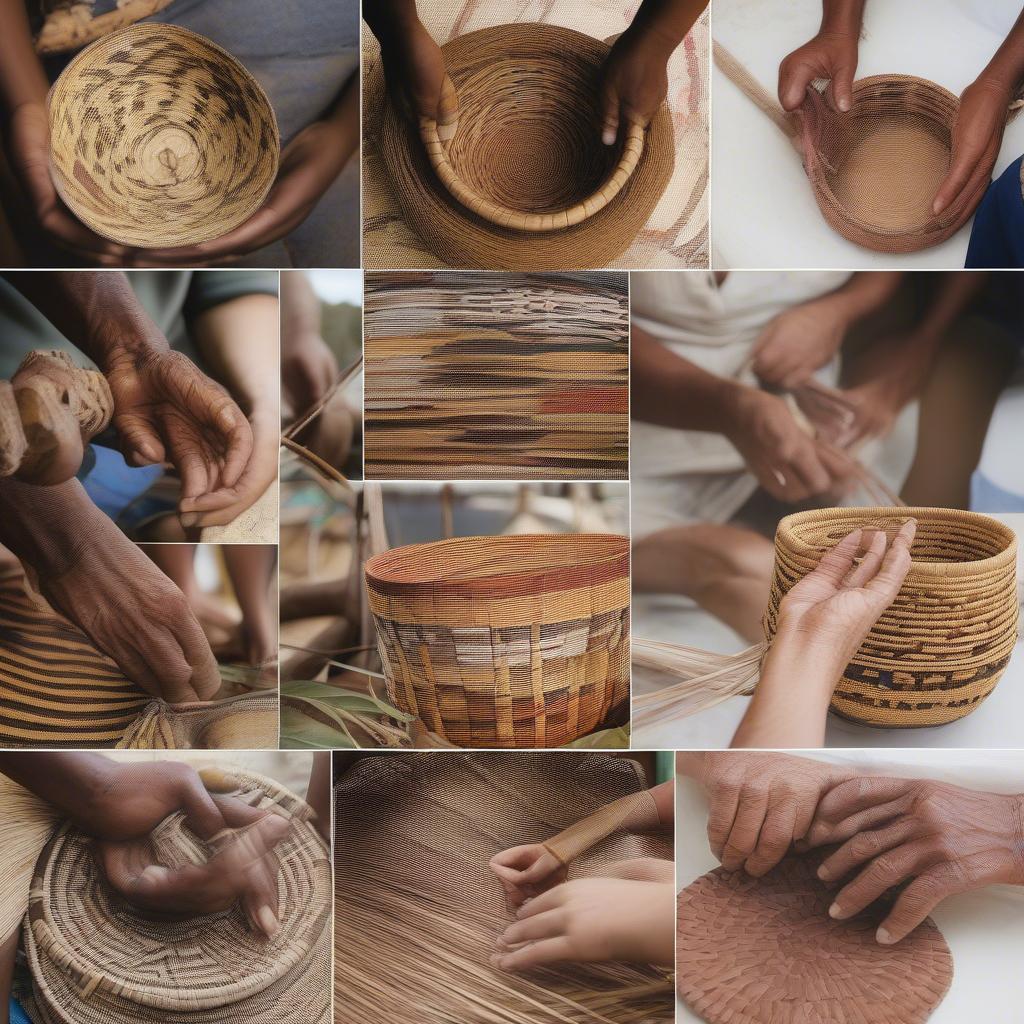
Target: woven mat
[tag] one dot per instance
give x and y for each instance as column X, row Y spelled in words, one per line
column 765, row 951
column 676, row 235
column 258, row 524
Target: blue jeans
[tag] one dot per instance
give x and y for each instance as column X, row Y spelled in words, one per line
column 997, row 237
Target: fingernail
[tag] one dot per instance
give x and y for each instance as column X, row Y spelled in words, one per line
column 267, row 921
column 823, row 873
column 844, row 104
column 883, row 936
column 835, row 911
column 608, row 136
column 155, row 873
column 226, row 419
column 190, row 519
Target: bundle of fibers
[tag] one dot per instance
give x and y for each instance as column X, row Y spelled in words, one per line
column 765, row 951
column 509, row 641
column 418, row 910
column 876, row 168
column 933, row 655
column 97, row 960
column 526, row 182
column 246, row 722
column 507, row 376
column 158, row 137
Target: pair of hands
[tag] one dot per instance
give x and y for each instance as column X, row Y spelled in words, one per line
column 977, row 134
column 935, row 839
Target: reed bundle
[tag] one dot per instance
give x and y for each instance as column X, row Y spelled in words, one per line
column 246, row 722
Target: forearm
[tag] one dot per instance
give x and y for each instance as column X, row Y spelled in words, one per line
column 667, row 20
column 951, row 300
column 389, row 20
column 300, row 309
column 22, row 79
column 843, row 17
column 344, row 117
column 664, row 796
column 865, row 292
column 68, row 781
column 1006, row 68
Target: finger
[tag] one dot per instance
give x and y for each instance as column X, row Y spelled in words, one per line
column 874, row 798
column 746, row 829
column 12, row 434
column 841, row 87
column 139, row 441
column 775, row 839
column 837, row 561
column 236, row 813
column 809, row 471
column 721, row 815
column 960, row 170
column 543, row 866
column 204, row 673
column 192, row 468
column 541, row 926
column 609, row 116
column 917, row 901
column 882, row 874
column 893, row 572
column 135, row 667
column 860, row 574
column 546, row 952
column 549, row 900
column 863, row 847
column 447, row 111
column 794, row 78
column 203, row 815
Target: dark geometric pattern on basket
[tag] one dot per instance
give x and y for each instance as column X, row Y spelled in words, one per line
column 95, row 958
column 940, row 648
column 474, row 376
column 765, row 951
column 158, row 137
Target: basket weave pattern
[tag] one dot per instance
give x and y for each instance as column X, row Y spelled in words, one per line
column 512, row 641
column 940, row 648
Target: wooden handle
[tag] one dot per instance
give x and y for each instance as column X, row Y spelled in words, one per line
column 505, row 216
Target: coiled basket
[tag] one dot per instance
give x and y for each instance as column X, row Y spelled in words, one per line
column 511, row 641
column 95, row 959
column 940, row 648
column 158, row 137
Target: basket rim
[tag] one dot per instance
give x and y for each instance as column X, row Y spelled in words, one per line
column 787, row 538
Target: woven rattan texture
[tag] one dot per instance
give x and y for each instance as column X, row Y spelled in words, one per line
column 765, row 951
column 56, row 689
column 507, row 376
column 158, row 137
column 248, row 722
column 938, row 651
column 94, row 958
column 418, row 911
column 528, row 140
column 632, row 813
column 510, row 641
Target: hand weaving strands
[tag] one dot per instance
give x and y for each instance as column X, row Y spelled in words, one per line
column 496, row 376
column 875, row 169
column 418, row 910
column 96, row 960
column 754, row 950
column 246, row 722
column 528, row 143
column 158, row 137
column 510, row 641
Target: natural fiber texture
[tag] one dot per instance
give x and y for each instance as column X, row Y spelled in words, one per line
column 418, row 911
column 246, row 722
column 510, row 641
column 875, row 170
column 158, row 137
column 759, row 950
column 258, row 524
column 636, row 812
column 474, row 376
column 96, row 959
column 941, row 646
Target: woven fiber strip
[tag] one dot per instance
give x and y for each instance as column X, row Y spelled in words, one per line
column 158, row 137
column 97, row 960
column 246, row 722
column 940, row 648
column 510, row 641
column 418, row 911
column 634, row 813
column 765, row 951
column 507, row 376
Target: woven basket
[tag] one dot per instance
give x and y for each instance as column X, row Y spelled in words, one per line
column 526, row 182
column 158, row 137
column 512, row 641
column 938, row 651
column 97, row 960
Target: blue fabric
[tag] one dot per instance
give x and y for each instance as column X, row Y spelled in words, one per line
column 989, row 497
column 113, row 485
column 17, row 1014
column 997, row 236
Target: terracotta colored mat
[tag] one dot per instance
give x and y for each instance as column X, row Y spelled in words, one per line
column 765, row 951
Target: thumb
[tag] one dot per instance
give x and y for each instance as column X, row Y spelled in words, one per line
column 952, row 185
column 609, row 115
column 841, row 88
column 447, row 111
column 543, row 866
column 140, row 443
column 793, row 82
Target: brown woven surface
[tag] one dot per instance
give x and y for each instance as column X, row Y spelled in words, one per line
column 940, row 648
column 765, row 951
column 511, row 641
column 246, row 722
column 96, row 959
column 418, row 911
column 158, row 137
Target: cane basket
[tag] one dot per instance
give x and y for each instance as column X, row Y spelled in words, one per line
column 940, row 648
column 95, row 959
column 511, row 641
column 158, row 137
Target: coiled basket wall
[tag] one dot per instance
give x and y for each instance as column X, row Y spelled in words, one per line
column 510, row 641
column 940, row 648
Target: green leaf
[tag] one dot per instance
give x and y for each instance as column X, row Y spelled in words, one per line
column 344, row 700
column 606, row 739
column 299, row 731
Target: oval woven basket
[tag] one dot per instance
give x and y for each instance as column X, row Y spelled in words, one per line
column 511, row 641
column 158, row 137
column 940, row 648
column 526, row 183
column 96, row 958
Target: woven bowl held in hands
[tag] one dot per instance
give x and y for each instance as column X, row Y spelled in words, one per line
column 511, row 641
column 940, row 648
column 158, row 137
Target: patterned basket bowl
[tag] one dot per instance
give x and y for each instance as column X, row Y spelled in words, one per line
column 512, row 641
column 158, row 137
column 940, row 648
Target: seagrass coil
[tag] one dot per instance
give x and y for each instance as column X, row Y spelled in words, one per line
column 95, row 958
column 765, row 951
column 525, row 182
column 940, row 648
column 508, row 641
column 158, row 137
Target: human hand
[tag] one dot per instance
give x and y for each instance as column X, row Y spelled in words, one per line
column 977, row 136
column 526, row 871
column 634, row 80
column 592, row 919
column 760, row 804
column 308, row 369
column 936, row 839
column 799, row 341
column 829, row 55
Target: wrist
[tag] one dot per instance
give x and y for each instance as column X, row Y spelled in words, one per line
column 1017, row 837
column 998, row 79
column 842, row 18
column 740, row 405
column 657, row 41
column 816, row 659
